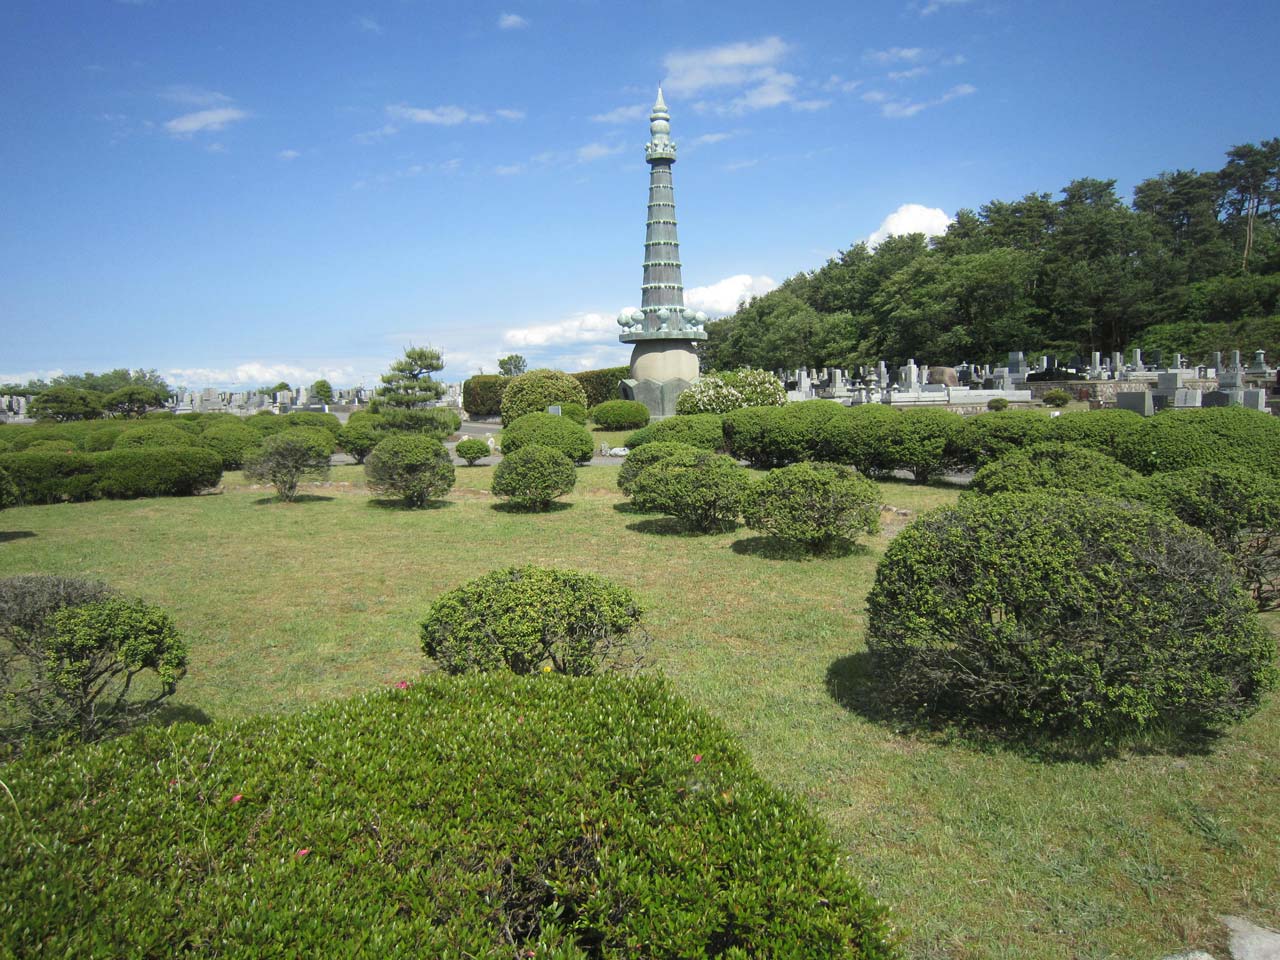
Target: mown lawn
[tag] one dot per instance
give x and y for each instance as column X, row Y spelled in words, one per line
column 982, row 851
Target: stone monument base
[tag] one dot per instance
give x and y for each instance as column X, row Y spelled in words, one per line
column 658, row 396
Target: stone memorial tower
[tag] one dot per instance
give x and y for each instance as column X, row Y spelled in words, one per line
column 663, row 361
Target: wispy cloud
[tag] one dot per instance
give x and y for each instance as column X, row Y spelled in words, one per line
column 908, row 74
column 911, row 218
column 369, row 25
column 930, row 7
column 512, row 21
column 741, row 164
column 288, row 155
column 895, row 55
column 506, row 114
column 838, row 84
column 623, row 114
column 896, row 108
column 579, row 328
column 452, row 165
column 260, row 373
column 447, row 116
column 597, row 151
column 709, row 138
column 749, row 74
column 203, row 121
column 509, row 169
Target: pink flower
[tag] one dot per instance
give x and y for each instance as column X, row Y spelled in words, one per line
column 697, row 758
column 403, row 685
column 303, row 852
column 173, row 783
column 237, row 798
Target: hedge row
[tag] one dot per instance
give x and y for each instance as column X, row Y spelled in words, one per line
column 482, row 394
column 601, row 385
column 52, row 477
column 486, row 815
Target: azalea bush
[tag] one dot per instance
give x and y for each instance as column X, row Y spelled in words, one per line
column 411, row 467
column 288, row 457
column 549, row 430
column 731, row 390
column 703, row 430
column 472, row 450
column 705, row 490
column 824, row 507
column 534, row 477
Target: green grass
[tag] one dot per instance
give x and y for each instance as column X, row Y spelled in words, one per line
column 980, row 851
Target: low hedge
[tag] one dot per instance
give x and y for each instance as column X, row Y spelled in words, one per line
column 309, row 418
column 645, row 456
column 855, row 437
column 155, row 435
column 485, row 815
column 1179, row 439
column 922, row 441
column 231, row 440
column 601, row 385
column 1101, row 430
column 436, row 422
column 51, row 477
column 482, row 394
column 159, row 472
column 549, row 430
column 1058, row 466
column 989, row 436
column 620, row 415
column 704, row 430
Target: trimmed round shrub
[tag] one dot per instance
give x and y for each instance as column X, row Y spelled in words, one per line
column 856, row 437
column 776, row 436
column 620, row 415
column 50, row 477
column 524, row 618
column 52, row 446
column 289, row 456
column 989, row 436
column 357, row 439
column 705, row 490
column 921, row 441
column 1239, row 509
column 1056, row 398
column 702, row 430
column 645, row 456
column 1067, row 613
column 156, row 472
column 411, row 467
column 1058, row 466
column 471, row 450
column 267, row 423
column 187, row 425
column 575, row 412
column 997, row 403
column 482, row 395
column 1179, row 439
column 534, row 476
column 103, row 438
column 549, row 430
column 309, row 418
column 822, row 506
column 231, row 440
column 154, row 435
column 1101, row 430
column 536, row 390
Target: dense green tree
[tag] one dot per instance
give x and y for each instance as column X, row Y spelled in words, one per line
column 134, row 400
column 512, row 365
column 67, row 403
column 322, row 390
column 409, row 383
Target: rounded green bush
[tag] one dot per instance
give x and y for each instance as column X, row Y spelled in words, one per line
column 997, row 403
column 103, row 438
column 1239, row 509
column 822, row 506
column 549, row 430
column 921, row 441
column 482, row 395
column 1100, row 430
column 706, row 490
column 575, row 412
column 471, row 450
column 1058, row 466
column 358, row 438
column 409, row 466
column 620, row 415
column 1056, row 398
column 231, row 440
column 703, row 430
column 989, row 436
column 267, row 423
column 1065, row 612
column 775, row 436
column 308, row 418
column 187, row 426
column 153, row 435
column 536, row 390
column 288, row 456
column 856, row 437
column 522, row 618
column 156, row 472
column 52, row 446
column 645, row 456
column 1178, row 439
column 51, row 476
column 534, row 476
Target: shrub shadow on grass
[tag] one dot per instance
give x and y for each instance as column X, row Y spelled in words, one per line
column 409, row 508
column 300, row 498
column 853, row 682
column 672, row 527
column 553, row 507
column 773, row 548
column 7, row 535
column 629, row 508
column 180, row 713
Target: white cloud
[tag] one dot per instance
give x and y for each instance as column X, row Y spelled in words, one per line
column 288, row 154
column 623, row 114
column 908, row 74
column 369, row 25
column 259, row 373
column 510, row 114
column 708, row 138
column 748, row 71
column 896, row 55
column 512, row 21
column 596, row 151
column 897, row 109
column 579, row 328
column 447, row 116
column 838, row 84
column 811, row 106
column 933, row 6
column 204, row 120
column 910, row 218
column 724, row 296
column 28, row 375
column 373, row 136
column 741, row 164
column 509, row 170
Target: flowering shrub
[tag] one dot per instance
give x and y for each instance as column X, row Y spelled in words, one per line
column 709, row 394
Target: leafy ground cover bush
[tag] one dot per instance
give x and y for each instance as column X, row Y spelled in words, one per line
column 156, row 472
column 1178, row 439
column 989, row 436
column 524, row 619
column 855, row 437
column 1072, row 614
column 1237, row 507
column 645, row 456
column 231, row 440
column 103, row 438
column 822, row 506
column 536, row 390
column 575, row 412
column 997, row 403
column 471, row 450
column 620, row 415
column 549, row 430
column 487, row 816
column 921, row 441
column 1100, row 430
column 77, row 660
column 288, row 456
column 1056, row 398
column 437, row 422
column 776, row 436
column 534, row 476
column 482, row 395
column 154, row 435
column 8, row 490
column 409, row 466
column 1058, row 466
column 705, row 490
column 267, row 423
column 702, row 430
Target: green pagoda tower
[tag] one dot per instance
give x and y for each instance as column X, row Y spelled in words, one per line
column 663, row 330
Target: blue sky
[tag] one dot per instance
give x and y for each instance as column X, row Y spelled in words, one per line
column 240, row 192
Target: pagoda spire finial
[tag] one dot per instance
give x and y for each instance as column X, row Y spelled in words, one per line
column 660, row 105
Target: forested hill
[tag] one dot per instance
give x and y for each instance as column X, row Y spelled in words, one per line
column 1192, row 265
